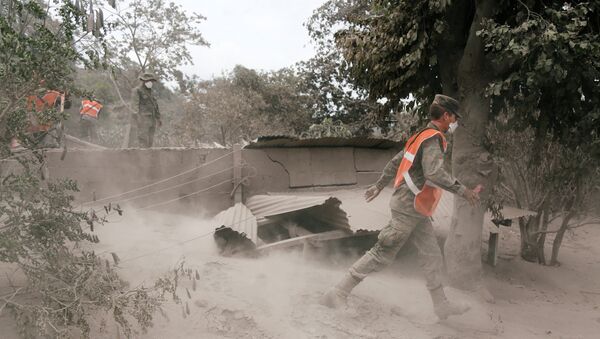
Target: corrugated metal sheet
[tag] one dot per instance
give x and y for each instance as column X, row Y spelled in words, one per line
column 240, row 219
column 284, row 141
column 362, row 216
column 324, row 209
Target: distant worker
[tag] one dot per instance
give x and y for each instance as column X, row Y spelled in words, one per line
column 43, row 130
column 145, row 113
column 419, row 174
column 89, row 114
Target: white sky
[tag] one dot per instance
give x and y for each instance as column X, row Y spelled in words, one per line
column 258, row 34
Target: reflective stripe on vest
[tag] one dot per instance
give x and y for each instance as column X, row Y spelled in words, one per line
column 426, row 198
column 90, row 108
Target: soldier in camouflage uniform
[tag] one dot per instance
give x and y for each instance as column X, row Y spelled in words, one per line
column 407, row 223
column 146, row 115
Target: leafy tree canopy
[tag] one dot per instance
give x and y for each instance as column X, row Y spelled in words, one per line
column 541, row 57
column 245, row 104
column 41, row 233
column 155, row 35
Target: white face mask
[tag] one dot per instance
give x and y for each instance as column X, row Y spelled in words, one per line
column 453, row 126
column 148, row 84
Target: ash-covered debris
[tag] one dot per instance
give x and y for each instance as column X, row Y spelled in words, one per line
column 234, row 244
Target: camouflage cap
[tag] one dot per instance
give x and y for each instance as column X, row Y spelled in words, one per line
column 148, row 77
column 448, row 103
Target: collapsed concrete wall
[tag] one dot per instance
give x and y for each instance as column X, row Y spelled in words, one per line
column 103, row 173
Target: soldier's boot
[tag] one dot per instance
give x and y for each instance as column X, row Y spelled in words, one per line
column 338, row 295
column 442, row 307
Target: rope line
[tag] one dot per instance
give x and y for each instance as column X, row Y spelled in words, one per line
column 184, row 196
column 160, row 181
column 181, row 242
column 172, row 187
column 166, row 248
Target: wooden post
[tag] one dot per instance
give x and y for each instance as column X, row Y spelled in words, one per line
column 237, row 173
column 493, row 248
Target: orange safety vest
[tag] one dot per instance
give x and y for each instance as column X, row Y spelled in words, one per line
column 90, row 108
column 426, row 198
column 47, row 101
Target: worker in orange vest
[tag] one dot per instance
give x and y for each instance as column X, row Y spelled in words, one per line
column 51, row 99
column 419, row 176
column 89, row 113
column 41, row 129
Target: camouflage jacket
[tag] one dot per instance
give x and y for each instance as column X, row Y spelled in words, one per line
column 427, row 165
column 144, row 103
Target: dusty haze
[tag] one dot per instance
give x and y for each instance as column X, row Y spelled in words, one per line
column 276, row 296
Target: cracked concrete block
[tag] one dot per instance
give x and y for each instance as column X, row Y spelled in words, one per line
column 332, row 166
column 316, row 166
column 271, row 172
column 299, row 167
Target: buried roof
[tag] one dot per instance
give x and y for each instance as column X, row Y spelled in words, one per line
column 325, row 209
column 240, row 219
column 261, row 210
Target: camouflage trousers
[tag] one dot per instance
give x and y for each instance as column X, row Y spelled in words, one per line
column 404, row 227
column 146, row 127
column 88, row 130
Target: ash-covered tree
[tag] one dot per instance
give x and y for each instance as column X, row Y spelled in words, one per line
column 219, row 111
column 32, row 46
column 154, row 35
column 150, row 36
column 245, row 104
column 538, row 57
column 44, row 239
column 552, row 52
column 555, row 181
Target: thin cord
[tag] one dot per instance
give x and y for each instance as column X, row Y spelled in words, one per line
column 182, row 242
column 172, row 187
column 166, row 248
column 183, row 197
column 158, row 182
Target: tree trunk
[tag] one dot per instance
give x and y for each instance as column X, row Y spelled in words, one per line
column 541, row 241
column 571, row 207
column 533, row 236
column 223, row 136
column 471, row 163
column 559, row 238
column 529, row 243
column 524, row 238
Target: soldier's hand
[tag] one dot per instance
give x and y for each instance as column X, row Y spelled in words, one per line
column 372, row 193
column 472, row 196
